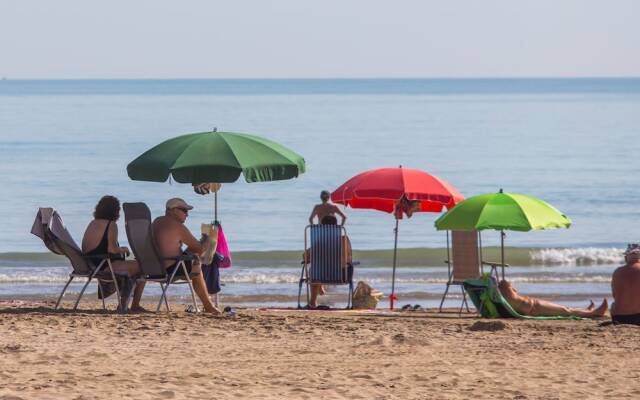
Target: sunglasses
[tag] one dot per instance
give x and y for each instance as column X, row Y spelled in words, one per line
column 184, row 210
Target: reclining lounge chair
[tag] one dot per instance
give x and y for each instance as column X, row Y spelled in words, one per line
column 49, row 227
column 490, row 303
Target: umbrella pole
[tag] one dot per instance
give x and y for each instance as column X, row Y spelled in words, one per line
column 215, row 206
column 393, row 276
column 502, row 250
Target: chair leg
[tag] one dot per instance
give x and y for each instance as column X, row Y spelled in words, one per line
column 122, row 307
column 101, row 291
column 300, row 286
column 444, row 296
column 193, row 295
column 75, row 307
column 63, row 291
column 464, row 299
column 163, row 297
column 349, row 301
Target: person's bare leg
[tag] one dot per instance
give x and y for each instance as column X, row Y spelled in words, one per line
column 592, row 305
column 547, row 308
column 137, row 296
column 315, row 292
column 200, row 287
column 596, row 312
column 132, row 269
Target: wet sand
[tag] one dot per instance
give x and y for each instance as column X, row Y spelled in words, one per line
column 300, row 355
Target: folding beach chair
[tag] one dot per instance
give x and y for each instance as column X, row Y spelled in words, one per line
column 140, row 235
column 49, row 227
column 463, row 262
column 325, row 263
column 486, row 297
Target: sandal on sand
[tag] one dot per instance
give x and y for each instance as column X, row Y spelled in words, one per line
column 417, row 307
column 406, row 307
column 138, row 309
column 190, row 309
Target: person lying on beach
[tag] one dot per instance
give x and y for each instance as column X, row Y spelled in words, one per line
column 326, row 208
column 101, row 237
column 625, row 286
column 530, row 306
column 171, row 234
column 317, row 289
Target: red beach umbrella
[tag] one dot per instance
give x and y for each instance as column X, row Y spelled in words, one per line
column 397, row 190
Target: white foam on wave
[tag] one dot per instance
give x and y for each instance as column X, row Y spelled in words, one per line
column 578, row 256
column 291, row 279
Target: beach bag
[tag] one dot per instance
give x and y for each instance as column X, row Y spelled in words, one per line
column 223, row 249
column 212, row 230
column 365, row 297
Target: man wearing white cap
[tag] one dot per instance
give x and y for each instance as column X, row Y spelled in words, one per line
column 625, row 285
column 171, row 234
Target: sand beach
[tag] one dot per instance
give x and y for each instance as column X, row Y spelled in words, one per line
column 302, row 355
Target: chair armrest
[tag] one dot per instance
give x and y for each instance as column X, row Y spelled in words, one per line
column 447, row 262
column 494, row 264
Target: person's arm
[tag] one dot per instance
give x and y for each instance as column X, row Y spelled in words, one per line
column 348, row 251
column 341, row 214
column 614, row 283
column 193, row 245
column 314, row 212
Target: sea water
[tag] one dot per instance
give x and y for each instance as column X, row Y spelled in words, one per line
column 571, row 142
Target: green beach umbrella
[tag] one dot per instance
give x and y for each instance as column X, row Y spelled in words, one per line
column 502, row 211
column 219, row 157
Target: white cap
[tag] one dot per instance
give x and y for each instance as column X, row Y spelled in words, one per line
column 177, row 202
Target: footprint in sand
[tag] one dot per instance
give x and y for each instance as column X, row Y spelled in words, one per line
column 167, row 394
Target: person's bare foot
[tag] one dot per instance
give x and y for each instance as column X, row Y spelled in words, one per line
column 592, row 305
column 322, row 291
column 138, row 309
column 213, row 310
column 602, row 309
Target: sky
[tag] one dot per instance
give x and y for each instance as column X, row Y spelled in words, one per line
column 77, row 39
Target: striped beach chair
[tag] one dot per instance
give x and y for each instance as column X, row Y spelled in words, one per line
column 325, row 259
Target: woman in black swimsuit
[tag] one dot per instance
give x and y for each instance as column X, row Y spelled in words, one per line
column 101, row 237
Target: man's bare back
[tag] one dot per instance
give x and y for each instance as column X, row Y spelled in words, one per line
column 625, row 285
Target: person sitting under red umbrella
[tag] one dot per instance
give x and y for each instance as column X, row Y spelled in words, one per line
column 317, row 289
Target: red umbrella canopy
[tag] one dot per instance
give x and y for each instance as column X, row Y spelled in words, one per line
column 383, row 189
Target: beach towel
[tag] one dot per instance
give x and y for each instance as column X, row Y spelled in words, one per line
column 490, row 303
column 211, row 274
column 223, row 248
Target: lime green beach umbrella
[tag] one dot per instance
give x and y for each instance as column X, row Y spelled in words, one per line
column 219, row 157
column 502, row 211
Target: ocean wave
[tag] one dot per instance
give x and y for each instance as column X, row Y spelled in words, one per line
column 291, row 279
column 578, row 256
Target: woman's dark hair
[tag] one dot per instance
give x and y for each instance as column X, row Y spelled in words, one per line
column 329, row 220
column 107, row 208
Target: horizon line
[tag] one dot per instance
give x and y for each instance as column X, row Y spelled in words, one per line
column 6, row 78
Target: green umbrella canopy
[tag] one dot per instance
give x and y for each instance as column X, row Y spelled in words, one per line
column 502, row 211
column 216, row 157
